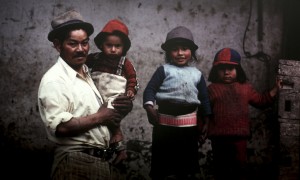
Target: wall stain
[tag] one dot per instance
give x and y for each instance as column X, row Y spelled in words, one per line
column 179, row 7
column 159, row 8
column 244, row 9
column 58, row 5
column 12, row 19
column 192, row 12
column 212, row 11
column 199, row 7
column 225, row 15
column 29, row 28
column 31, row 14
column 142, row 130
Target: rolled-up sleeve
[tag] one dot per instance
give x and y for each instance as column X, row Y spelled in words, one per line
column 55, row 105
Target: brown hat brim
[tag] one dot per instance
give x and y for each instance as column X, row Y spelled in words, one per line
column 69, row 26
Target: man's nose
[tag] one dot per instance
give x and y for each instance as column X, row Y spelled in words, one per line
column 79, row 47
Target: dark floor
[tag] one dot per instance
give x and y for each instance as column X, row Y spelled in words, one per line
column 22, row 164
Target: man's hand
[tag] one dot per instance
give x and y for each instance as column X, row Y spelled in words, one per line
column 123, row 104
column 109, row 117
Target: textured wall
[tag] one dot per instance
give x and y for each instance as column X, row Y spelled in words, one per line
column 289, row 118
column 26, row 54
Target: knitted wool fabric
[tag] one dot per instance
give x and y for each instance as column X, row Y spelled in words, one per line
column 230, row 107
column 227, row 56
column 180, row 85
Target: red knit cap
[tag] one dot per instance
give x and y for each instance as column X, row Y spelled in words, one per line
column 227, row 56
column 115, row 25
column 111, row 27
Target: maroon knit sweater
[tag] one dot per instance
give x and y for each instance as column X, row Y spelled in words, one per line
column 230, row 106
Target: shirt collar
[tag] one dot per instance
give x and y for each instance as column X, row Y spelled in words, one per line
column 70, row 71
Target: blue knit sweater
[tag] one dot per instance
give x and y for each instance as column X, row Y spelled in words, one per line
column 177, row 85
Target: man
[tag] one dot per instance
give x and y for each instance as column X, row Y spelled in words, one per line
column 72, row 108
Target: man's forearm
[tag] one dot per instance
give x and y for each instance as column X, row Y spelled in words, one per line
column 78, row 125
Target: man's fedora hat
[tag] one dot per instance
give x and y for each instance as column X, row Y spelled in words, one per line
column 69, row 20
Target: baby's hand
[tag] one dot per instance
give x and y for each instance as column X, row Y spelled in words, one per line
column 130, row 94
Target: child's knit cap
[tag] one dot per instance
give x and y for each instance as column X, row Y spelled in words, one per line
column 113, row 26
column 227, row 56
column 180, row 35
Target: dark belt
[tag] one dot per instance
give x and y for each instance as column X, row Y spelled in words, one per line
column 105, row 154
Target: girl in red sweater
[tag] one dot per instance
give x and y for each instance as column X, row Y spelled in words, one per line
column 230, row 94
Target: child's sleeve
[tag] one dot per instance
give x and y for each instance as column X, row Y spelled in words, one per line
column 259, row 100
column 203, row 96
column 130, row 75
column 153, row 86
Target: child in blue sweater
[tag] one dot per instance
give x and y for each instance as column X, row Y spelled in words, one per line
column 180, row 92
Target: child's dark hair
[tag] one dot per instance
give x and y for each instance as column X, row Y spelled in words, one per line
column 240, row 74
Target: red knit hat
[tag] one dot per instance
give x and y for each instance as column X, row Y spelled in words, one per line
column 113, row 26
column 227, row 56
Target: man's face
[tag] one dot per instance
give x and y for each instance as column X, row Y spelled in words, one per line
column 74, row 49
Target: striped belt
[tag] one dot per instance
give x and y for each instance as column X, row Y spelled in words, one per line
column 186, row 120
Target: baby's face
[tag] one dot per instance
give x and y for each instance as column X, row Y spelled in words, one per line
column 113, row 46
